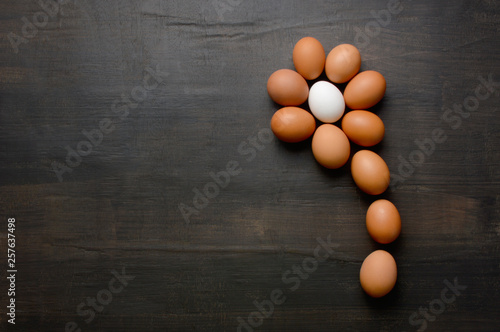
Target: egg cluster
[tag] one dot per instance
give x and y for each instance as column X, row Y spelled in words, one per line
column 331, row 144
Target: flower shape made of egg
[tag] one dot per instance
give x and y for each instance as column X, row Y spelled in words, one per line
column 331, row 143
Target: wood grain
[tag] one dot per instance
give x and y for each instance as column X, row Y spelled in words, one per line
column 119, row 207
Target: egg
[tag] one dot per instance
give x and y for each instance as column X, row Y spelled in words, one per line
column 309, row 58
column 342, row 63
column 378, row 273
column 363, row 128
column 326, row 102
column 383, row 221
column 365, row 90
column 287, row 88
column 330, row 146
column 293, row 124
column 370, row 172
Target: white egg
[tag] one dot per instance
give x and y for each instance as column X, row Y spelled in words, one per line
column 326, row 102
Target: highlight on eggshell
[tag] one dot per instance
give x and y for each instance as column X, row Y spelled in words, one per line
column 326, row 102
column 342, row 63
column 365, row 90
column 330, row 146
column 287, row 88
column 370, row 172
column 383, row 221
column 309, row 58
column 293, row 124
column 363, row 128
column 378, row 273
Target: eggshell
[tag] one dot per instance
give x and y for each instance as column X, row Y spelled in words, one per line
column 370, row 172
column 330, row 146
column 363, row 128
column 309, row 58
column 293, row 124
column 378, row 273
column 383, row 221
column 365, row 90
column 286, row 87
column 326, row 102
column 342, row 63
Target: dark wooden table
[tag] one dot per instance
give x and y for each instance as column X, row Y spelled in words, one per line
column 116, row 117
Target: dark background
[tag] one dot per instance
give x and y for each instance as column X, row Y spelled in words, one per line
column 119, row 208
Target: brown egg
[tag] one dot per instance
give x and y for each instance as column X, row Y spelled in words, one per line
column 309, row 58
column 383, row 221
column 286, row 87
column 370, row 172
column 363, row 128
column 342, row 63
column 330, row 146
column 378, row 273
column 365, row 90
column 293, row 124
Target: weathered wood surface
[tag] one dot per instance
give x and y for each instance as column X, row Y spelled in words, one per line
column 119, row 206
